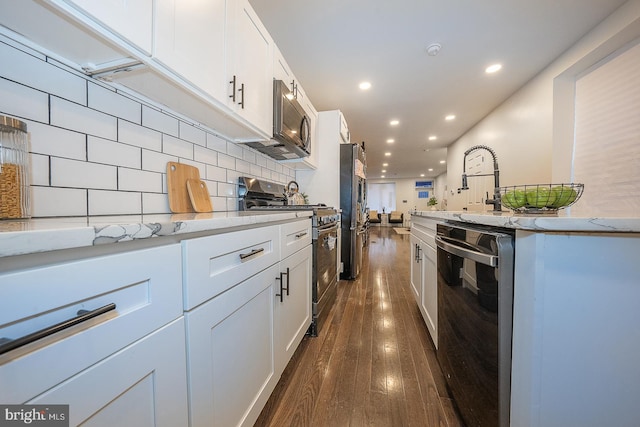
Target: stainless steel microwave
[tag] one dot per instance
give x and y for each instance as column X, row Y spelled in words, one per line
column 291, row 127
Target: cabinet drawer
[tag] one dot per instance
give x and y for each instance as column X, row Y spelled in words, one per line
column 425, row 230
column 145, row 287
column 294, row 236
column 133, row 387
column 216, row 263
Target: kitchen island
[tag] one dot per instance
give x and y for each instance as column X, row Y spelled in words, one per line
column 575, row 317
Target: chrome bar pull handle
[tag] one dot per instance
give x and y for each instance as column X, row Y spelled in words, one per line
column 82, row 316
column 252, row 253
column 241, row 90
column 233, row 89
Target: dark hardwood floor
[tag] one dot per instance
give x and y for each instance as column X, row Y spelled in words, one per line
column 373, row 363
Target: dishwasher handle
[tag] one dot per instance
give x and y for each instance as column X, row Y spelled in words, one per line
column 482, row 258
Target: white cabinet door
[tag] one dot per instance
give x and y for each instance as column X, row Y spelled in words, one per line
column 429, row 293
column 292, row 311
column 416, row 267
column 231, row 353
column 131, row 19
column 190, row 39
column 281, row 70
column 143, row 384
column 251, row 68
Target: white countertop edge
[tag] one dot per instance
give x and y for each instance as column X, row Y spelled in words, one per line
column 49, row 234
column 561, row 223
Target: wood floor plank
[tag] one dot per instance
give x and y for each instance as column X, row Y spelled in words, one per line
column 373, row 364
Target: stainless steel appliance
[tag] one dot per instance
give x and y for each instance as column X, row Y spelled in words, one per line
column 259, row 195
column 353, row 203
column 475, row 311
column 291, row 127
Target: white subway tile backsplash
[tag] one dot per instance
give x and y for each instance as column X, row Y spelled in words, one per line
column 212, row 187
column 249, row 155
column 76, row 117
column 156, row 162
column 155, row 203
column 242, row 166
column 76, row 174
column 23, row 102
column 52, row 201
column 232, row 204
column 140, row 136
column 57, row 142
column 177, row 147
column 110, row 102
column 216, row 143
column 41, row 75
column 255, row 170
column 220, row 204
column 225, row 189
column 261, row 160
column 226, row 161
column 113, row 153
column 234, row 150
column 205, row 155
column 192, row 134
column 39, row 169
column 137, row 180
column 114, row 202
column 202, row 170
column 159, row 121
column 215, row 173
column 271, row 164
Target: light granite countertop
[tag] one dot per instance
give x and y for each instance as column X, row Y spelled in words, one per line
column 48, row 234
column 550, row 223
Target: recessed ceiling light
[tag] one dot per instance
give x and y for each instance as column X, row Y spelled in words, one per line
column 433, row 138
column 493, row 68
column 385, row 164
column 384, row 170
column 421, row 174
column 364, row 85
column 382, row 176
column 450, row 117
column 394, row 122
column 390, row 141
column 430, row 169
column 387, row 154
column 434, row 49
column 442, row 162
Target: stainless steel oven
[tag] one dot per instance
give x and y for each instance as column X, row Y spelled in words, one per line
column 475, row 312
column 325, row 273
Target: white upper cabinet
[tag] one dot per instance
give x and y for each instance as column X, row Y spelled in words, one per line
column 131, row 19
column 250, row 67
column 190, row 40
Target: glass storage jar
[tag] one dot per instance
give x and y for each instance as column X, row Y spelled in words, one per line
column 15, row 174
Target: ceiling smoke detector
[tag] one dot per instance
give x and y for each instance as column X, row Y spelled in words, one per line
column 433, row 49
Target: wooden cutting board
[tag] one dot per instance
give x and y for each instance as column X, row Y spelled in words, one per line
column 177, row 176
column 199, row 195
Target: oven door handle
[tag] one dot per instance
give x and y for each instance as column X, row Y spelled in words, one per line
column 327, row 228
column 486, row 259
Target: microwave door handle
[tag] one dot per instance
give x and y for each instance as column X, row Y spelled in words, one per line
column 490, row 260
column 304, row 130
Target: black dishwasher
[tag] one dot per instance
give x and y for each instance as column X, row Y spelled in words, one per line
column 475, row 316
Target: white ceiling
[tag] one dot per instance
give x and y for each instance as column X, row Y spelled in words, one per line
column 333, row 45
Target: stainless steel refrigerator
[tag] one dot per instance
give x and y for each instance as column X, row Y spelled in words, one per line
column 353, row 202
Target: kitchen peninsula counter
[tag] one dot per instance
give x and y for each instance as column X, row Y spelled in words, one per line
column 575, row 317
column 22, row 237
column 549, row 223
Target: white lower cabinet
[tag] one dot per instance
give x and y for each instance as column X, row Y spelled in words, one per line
column 424, row 271
column 107, row 367
column 133, row 387
column 256, row 288
column 231, row 353
column 293, row 311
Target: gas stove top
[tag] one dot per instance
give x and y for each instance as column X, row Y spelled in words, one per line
column 259, row 195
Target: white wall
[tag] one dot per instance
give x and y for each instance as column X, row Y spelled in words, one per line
column 532, row 132
column 407, row 195
column 95, row 151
